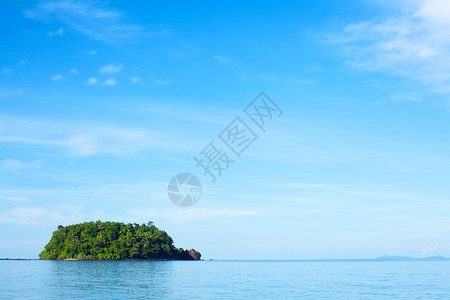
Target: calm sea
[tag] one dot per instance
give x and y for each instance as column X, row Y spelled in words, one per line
column 344, row 279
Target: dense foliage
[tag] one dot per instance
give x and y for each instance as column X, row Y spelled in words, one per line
column 113, row 240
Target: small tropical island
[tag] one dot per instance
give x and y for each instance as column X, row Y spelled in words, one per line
column 113, row 241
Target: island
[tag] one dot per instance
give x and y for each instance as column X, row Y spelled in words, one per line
column 400, row 258
column 113, row 241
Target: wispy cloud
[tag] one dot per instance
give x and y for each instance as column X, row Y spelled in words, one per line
column 223, row 59
column 190, row 215
column 432, row 249
column 123, row 193
column 58, row 77
column 26, row 216
column 17, row 164
column 161, row 82
column 77, row 139
column 7, row 93
column 151, row 196
column 228, row 63
column 280, row 78
column 6, row 71
column 156, row 81
column 92, row 80
column 434, row 10
column 111, row 69
column 89, row 52
column 35, row 216
column 93, row 19
column 13, row 198
column 296, row 185
column 415, row 44
column 110, row 82
column 58, row 32
column 366, row 194
column 245, row 74
column 135, row 79
column 283, row 198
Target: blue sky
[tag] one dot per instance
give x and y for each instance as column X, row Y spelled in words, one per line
column 101, row 103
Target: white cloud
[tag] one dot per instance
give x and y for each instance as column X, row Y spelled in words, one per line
column 6, row 71
column 288, row 199
column 244, row 74
column 84, row 145
column 15, row 164
column 92, row 80
column 135, row 79
column 161, row 82
column 110, row 82
column 230, row 64
column 7, row 93
column 99, row 195
column 89, row 52
column 77, row 139
column 35, row 216
column 430, row 249
column 28, row 216
column 189, row 215
column 296, row 185
column 58, row 77
column 405, row 97
column 111, row 69
column 92, row 19
column 434, row 11
column 366, row 197
column 414, row 45
column 241, row 77
column 223, row 59
column 13, row 198
column 58, row 32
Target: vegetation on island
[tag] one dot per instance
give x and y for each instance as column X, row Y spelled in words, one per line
column 113, row 240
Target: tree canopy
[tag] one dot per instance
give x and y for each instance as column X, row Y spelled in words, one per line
column 113, row 240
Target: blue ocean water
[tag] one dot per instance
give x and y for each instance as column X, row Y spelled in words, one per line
column 342, row 279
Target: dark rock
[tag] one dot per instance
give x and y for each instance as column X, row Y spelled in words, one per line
column 195, row 254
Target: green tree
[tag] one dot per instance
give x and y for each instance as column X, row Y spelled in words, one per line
column 113, row 240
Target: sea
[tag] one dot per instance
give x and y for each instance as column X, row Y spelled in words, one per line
column 238, row 279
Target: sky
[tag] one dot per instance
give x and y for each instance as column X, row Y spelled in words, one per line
column 102, row 103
